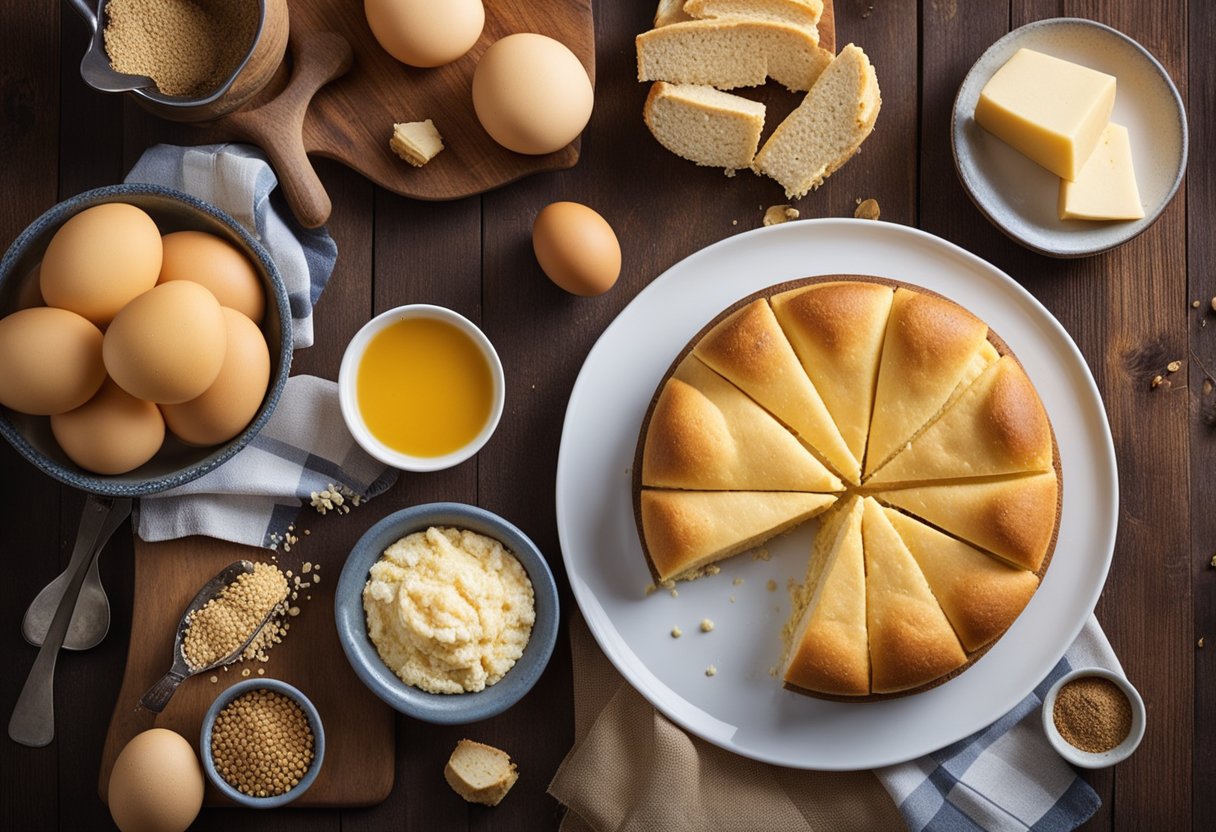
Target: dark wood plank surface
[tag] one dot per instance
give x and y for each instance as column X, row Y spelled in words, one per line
column 1129, row 311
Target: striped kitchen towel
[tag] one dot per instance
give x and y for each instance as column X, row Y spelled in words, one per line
column 305, row 448
column 1007, row 777
column 237, row 179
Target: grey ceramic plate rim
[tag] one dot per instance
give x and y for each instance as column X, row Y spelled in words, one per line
column 438, row 708
column 99, row 484
column 318, row 742
column 960, row 148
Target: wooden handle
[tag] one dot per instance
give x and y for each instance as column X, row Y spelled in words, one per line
column 278, row 126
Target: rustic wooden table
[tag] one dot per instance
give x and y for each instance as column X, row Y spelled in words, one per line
column 1129, row 311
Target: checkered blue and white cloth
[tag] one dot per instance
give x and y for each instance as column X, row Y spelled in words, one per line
column 305, row 446
column 1007, row 777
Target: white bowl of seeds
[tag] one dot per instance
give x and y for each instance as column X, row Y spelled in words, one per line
column 262, row 743
column 1093, row 717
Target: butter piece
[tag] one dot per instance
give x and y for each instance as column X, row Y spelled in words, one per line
column 417, row 142
column 1051, row 110
column 1106, row 187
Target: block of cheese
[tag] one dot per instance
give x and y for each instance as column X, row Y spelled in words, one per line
column 480, row 773
column 1051, row 110
column 1106, row 187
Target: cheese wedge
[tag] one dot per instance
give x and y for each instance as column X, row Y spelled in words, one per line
column 979, row 594
column 932, row 347
column 911, row 642
column 1105, row 188
column 837, row 332
column 996, row 426
column 828, row 651
column 749, row 349
column 1051, row 110
column 685, row 531
column 705, row 434
column 1014, row 519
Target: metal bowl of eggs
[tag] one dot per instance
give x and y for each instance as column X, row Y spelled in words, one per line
column 147, row 338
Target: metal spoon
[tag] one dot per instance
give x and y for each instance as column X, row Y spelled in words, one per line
column 33, row 720
column 95, row 67
column 91, row 618
column 158, row 695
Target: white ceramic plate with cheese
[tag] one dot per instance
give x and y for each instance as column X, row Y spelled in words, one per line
column 743, row 708
column 1019, row 196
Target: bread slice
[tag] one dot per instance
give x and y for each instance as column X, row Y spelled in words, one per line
column 996, row 426
column 670, row 11
column 480, row 773
column 1014, row 519
column 705, row 434
column 827, row 128
column 911, row 642
column 979, row 594
column 932, row 347
column 837, row 331
column 802, row 13
column 731, row 53
column 704, row 125
column 685, row 531
column 749, row 349
column 826, row 635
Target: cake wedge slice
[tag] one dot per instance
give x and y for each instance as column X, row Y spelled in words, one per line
column 685, row 531
column 1014, row 519
column 749, row 349
column 911, row 641
column 826, row 635
column 705, row 434
column 996, row 426
column 979, row 594
column 704, row 125
column 837, row 332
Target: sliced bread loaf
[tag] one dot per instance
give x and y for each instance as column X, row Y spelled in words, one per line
column 827, row 128
column 704, row 125
column 480, row 773
column 730, row 53
column 670, row 11
column 802, row 13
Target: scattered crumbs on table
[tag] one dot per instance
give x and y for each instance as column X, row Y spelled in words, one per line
column 713, row 569
column 261, row 671
column 867, row 210
column 676, row 632
column 761, row 554
column 245, row 672
column 1213, row 304
column 1194, row 304
column 706, row 625
column 778, row 214
column 674, row 593
column 771, row 586
column 1213, row 561
column 734, row 222
column 1199, row 643
column 1207, row 387
column 1173, row 366
column 711, row 671
column 1157, row 381
column 215, row 679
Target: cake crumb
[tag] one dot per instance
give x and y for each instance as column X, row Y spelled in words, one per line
column 1173, row 366
column 777, row 214
column 706, row 625
column 713, row 569
column 771, row 586
column 1157, row 381
column 761, row 554
column 676, row 632
column 867, row 210
column 1194, row 304
column 674, row 593
column 711, row 671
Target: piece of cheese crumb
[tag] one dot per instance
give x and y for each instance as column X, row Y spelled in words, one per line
column 417, row 142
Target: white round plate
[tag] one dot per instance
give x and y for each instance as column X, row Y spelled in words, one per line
column 743, row 708
column 1019, row 196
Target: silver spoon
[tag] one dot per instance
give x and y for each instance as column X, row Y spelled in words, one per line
column 95, row 67
column 33, row 720
column 91, row 618
column 158, row 695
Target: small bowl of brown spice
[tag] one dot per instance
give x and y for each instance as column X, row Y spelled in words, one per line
column 1093, row 717
column 262, row 743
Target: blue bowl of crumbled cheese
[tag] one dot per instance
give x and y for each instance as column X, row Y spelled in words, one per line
column 447, row 612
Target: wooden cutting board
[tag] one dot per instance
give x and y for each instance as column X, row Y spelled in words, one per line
column 358, row 768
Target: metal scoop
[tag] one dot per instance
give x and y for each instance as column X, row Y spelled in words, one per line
column 158, row 695
column 95, row 66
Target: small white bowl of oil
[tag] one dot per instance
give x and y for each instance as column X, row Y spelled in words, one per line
column 421, row 388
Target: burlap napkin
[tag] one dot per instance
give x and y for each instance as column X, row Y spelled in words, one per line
column 631, row 770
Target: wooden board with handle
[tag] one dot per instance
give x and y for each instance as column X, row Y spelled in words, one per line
column 358, row 768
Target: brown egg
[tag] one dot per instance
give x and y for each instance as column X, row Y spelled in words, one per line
column 52, row 360
column 217, row 265
column 576, row 248
column 425, row 33
column 234, row 397
column 156, row 784
column 111, row 433
column 531, row 94
column 101, row 259
column 167, row 345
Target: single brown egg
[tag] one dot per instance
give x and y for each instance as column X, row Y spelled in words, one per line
column 156, row 784
column 425, row 33
column 167, row 345
column 52, row 360
column 576, row 248
column 111, row 433
column 100, row 260
column 233, row 399
column 218, row 266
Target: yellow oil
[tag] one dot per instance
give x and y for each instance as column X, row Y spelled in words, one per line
column 424, row 387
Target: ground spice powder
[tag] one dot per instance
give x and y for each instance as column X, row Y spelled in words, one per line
column 1092, row 714
column 188, row 47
